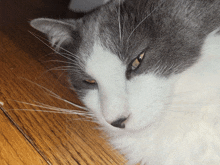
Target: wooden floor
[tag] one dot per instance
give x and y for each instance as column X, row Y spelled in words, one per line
column 27, row 135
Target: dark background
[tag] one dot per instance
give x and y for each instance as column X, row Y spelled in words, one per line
column 15, row 16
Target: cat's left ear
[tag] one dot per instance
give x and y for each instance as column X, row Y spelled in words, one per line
column 58, row 31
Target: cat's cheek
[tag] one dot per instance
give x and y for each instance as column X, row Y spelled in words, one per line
column 149, row 97
column 92, row 102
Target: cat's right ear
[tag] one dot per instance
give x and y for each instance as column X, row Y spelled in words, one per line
column 58, row 31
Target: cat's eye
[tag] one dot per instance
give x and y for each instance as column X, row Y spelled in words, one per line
column 137, row 61
column 90, row 81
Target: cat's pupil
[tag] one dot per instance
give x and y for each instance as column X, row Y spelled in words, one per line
column 140, row 58
column 137, row 61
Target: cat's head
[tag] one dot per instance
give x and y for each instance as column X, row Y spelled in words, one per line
column 124, row 59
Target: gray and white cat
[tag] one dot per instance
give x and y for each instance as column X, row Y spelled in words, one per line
column 149, row 71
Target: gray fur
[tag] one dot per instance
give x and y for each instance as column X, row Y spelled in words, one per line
column 170, row 32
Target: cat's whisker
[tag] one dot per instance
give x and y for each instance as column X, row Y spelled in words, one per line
column 61, row 69
column 51, row 93
column 119, row 20
column 78, row 106
column 55, row 108
column 64, row 68
column 65, row 55
column 49, row 111
column 59, row 61
column 57, row 96
column 52, row 108
column 69, row 67
column 72, row 55
column 143, row 20
column 49, row 54
column 51, row 47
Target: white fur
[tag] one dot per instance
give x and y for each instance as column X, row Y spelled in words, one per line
column 117, row 97
column 171, row 121
column 108, row 71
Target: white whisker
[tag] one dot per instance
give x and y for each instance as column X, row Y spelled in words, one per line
column 72, row 55
column 61, row 69
column 56, row 96
column 59, row 98
column 65, row 55
column 59, row 61
column 49, row 111
column 119, row 19
column 52, row 108
column 51, row 47
column 143, row 20
column 64, row 68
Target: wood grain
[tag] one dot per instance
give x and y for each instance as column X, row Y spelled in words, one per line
column 25, row 73
column 14, row 147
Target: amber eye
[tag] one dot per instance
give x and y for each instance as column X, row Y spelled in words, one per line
column 137, row 61
column 90, row 81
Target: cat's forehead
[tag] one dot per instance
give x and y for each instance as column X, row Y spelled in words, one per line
column 127, row 30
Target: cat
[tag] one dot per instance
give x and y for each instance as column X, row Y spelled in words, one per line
column 149, row 72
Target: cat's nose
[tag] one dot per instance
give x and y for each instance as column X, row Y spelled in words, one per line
column 120, row 123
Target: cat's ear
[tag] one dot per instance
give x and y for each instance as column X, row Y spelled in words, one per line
column 58, row 31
